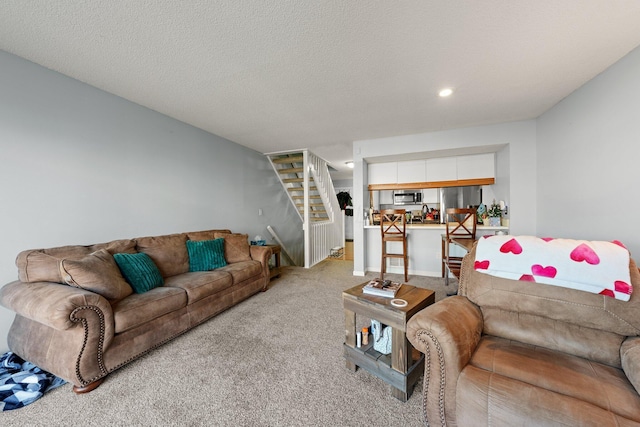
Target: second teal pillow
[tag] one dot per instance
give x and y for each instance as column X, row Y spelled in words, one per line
column 206, row 255
column 139, row 271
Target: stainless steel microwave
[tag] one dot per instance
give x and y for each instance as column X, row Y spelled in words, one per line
column 407, row 197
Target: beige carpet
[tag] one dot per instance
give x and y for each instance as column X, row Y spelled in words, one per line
column 273, row 360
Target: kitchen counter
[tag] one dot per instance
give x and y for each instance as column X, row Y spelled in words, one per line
column 424, row 248
column 441, row 227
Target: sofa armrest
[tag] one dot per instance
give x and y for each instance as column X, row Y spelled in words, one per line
column 447, row 332
column 630, row 358
column 60, row 328
column 52, row 304
column 262, row 254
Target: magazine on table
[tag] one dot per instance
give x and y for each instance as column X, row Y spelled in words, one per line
column 383, row 288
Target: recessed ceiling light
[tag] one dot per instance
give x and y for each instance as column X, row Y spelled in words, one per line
column 445, row 92
column 349, row 165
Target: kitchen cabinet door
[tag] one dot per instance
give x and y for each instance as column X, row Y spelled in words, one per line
column 430, row 196
column 412, row 171
column 386, row 197
column 442, row 169
column 476, row 166
column 383, row 173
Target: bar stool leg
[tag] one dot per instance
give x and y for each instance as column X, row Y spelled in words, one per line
column 384, row 260
column 406, row 260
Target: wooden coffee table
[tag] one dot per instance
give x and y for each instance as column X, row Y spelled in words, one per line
column 404, row 366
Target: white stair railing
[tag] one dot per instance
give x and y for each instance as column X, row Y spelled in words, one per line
column 319, row 236
column 325, row 235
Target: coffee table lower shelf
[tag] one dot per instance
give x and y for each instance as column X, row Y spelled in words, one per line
column 379, row 365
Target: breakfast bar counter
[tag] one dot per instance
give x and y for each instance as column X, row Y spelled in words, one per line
column 424, row 248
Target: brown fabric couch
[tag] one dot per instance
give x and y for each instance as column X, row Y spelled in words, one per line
column 81, row 334
column 504, row 353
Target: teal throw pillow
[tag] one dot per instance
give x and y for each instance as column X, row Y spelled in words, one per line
column 206, row 255
column 139, row 271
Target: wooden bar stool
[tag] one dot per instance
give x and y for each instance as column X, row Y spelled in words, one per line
column 460, row 224
column 393, row 228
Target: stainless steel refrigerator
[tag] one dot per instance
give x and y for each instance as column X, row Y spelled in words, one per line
column 459, row 197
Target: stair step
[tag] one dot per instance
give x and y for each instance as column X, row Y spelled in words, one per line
column 290, row 170
column 296, row 180
column 302, row 197
column 313, row 205
column 298, row 158
column 316, row 210
column 301, row 189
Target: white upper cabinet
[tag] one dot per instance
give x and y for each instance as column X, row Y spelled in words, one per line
column 455, row 168
column 383, row 173
column 386, row 197
column 430, row 196
column 476, row 166
column 442, row 169
column 412, row 171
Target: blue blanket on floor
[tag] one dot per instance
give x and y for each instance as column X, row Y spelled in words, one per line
column 23, row 382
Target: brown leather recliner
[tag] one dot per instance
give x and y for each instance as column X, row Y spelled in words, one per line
column 504, row 353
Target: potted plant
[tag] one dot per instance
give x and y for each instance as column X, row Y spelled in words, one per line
column 495, row 213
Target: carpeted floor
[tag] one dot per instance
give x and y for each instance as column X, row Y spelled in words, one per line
column 273, row 360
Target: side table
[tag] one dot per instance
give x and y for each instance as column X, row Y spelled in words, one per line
column 405, row 365
column 275, row 271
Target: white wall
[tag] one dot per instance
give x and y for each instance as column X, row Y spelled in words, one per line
column 80, row 166
column 588, row 157
column 516, row 165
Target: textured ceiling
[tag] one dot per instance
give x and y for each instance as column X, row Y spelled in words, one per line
column 278, row 75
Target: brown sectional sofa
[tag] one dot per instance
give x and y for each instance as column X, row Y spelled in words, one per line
column 77, row 320
column 501, row 353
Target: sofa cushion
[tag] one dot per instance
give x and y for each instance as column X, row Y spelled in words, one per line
column 206, row 255
column 236, row 247
column 169, row 253
column 487, row 399
column 205, row 235
column 96, row 272
column 552, row 302
column 139, row 271
column 124, row 246
column 512, row 365
column 200, row 284
column 42, row 265
column 138, row 309
column 243, row 270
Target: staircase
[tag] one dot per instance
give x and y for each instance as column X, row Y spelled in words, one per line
column 306, row 179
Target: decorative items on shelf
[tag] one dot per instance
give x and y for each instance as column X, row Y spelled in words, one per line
column 381, row 337
column 365, row 336
column 495, row 213
column 258, row 241
column 481, row 214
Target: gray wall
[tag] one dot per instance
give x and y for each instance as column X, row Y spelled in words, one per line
column 81, row 166
column 588, row 156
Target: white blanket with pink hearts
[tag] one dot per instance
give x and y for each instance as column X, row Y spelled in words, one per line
column 592, row 266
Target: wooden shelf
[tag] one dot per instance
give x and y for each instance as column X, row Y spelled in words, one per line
column 379, row 365
column 432, row 184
